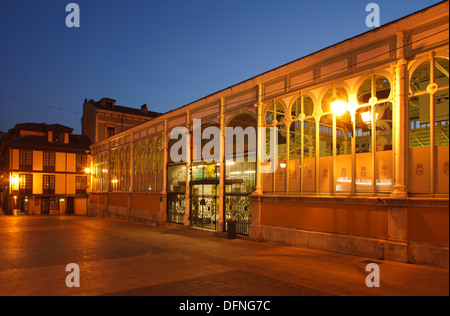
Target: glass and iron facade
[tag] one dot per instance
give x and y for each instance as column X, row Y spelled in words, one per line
column 362, row 132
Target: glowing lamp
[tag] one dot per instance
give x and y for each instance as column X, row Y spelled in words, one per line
column 283, row 165
column 367, row 117
column 339, row 107
column 15, row 183
column 87, row 170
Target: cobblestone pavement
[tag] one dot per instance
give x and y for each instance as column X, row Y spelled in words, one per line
column 125, row 259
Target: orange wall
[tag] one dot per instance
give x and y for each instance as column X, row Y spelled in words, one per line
column 145, row 202
column 98, row 199
column 428, row 225
column 117, row 200
column 360, row 220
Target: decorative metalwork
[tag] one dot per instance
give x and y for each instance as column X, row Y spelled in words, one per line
column 176, row 209
column 238, row 207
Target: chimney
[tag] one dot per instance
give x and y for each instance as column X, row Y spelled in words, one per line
column 144, row 109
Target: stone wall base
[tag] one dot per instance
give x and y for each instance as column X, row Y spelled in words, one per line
column 380, row 249
column 122, row 213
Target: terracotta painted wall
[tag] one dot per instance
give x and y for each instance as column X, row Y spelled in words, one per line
column 151, row 203
column 360, row 220
column 98, row 199
column 117, row 200
column 429, row 225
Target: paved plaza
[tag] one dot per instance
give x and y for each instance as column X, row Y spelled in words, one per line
column 122, row 259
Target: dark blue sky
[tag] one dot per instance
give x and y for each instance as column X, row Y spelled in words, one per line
column 163, row 53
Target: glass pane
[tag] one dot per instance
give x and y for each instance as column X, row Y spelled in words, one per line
column 343, row 173
column 240, row 177
column 384, row 126
column 176, row 181
column 308, row 106
column 296, row 109
column 383, row 159
column 295, row 141
column 309, row 140
column 275, row 113
column 176, row 208
column 365, row 91
column 363, row 140
column 441, row 72
column 279, row 113
column 344, row 134
column 282, row 142
column 383, row 87
column 419, row 121
column 309, row 154
column 421, row 78
column 326, row 136
column 442, row 118
column 294, row 175
column 363, row 130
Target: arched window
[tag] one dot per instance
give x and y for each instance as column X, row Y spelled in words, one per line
column 430, row 94
column 338, row 93
column 373, row 141
column 240, row 173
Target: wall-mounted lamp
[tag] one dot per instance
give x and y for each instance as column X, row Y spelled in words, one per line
column 87, row 170
column 283, row 165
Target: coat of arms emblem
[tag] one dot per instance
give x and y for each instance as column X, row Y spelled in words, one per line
column 363, row 171
column 419, row 169
column 383, row 171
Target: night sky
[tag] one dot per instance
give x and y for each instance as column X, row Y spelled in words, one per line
column 162, row 53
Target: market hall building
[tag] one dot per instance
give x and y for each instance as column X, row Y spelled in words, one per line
column 363, row 151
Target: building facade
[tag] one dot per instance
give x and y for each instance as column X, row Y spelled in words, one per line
column 362, row 133
column 44, row 170
column 104, row 118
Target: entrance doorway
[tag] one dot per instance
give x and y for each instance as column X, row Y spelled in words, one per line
column 204, row 205
column 70, row 208
column 45, row 206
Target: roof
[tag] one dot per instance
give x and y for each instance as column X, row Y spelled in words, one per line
column 124, row 109
column 42, row 127
column 77, row 143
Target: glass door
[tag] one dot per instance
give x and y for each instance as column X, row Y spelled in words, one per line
column 205, row 206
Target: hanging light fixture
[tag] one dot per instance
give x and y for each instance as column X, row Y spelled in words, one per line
column 367, row 117
column 339, row 106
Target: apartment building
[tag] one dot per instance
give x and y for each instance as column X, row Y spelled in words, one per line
column 104, row 118
column 44, row 170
